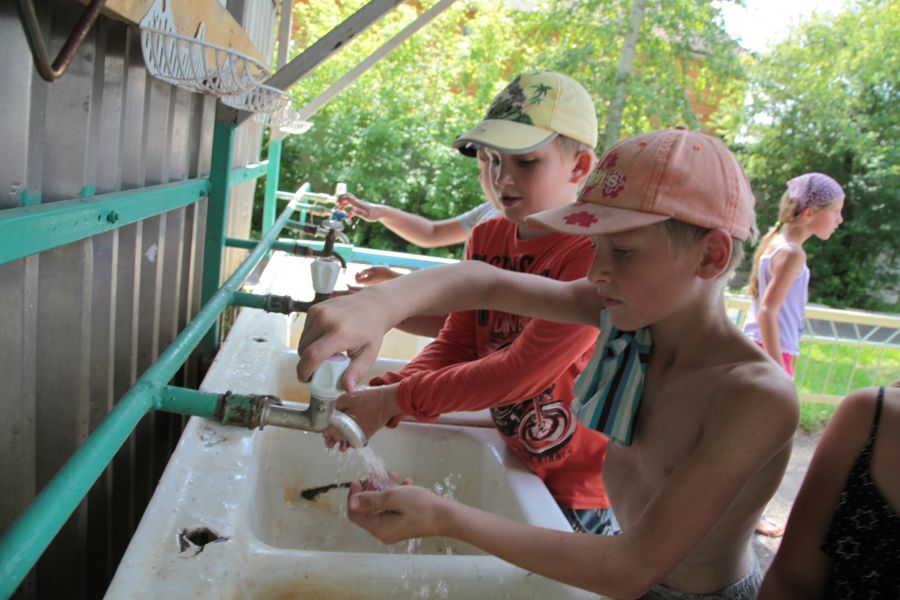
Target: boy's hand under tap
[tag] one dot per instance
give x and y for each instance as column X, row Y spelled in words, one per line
column 398, row 513
column 372, row 408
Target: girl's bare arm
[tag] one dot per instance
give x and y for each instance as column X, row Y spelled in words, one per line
column 786, row 265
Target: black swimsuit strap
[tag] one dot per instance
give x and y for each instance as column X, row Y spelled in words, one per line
column 878, row 402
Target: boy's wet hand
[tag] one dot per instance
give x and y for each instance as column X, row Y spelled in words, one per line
column 395, row 514
column 371, row 408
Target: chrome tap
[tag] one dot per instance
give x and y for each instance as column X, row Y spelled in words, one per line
column 321, row 413
column 318, row 416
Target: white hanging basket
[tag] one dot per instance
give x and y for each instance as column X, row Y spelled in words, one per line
column 261, row 99
column 271, row 107
column 194, row 63
column 287, row 120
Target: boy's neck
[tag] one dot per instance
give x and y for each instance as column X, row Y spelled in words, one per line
column 680, row 336
column 526, row 232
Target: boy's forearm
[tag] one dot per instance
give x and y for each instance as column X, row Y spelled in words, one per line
column 473, row 284
column 602, row 564
column 524, row 369
column 421, row 231
column 412, row 228
column 423, row 325
column 434, row 291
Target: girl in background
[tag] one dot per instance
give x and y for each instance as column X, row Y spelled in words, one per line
column 811, row 206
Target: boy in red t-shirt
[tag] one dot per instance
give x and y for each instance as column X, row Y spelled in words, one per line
column 537, row 141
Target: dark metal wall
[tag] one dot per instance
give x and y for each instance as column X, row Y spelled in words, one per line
column 81, row 322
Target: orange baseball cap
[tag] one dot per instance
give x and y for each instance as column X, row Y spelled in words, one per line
column 656, row 176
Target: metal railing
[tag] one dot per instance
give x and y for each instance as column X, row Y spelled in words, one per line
column 28, row 538
column 840, row 350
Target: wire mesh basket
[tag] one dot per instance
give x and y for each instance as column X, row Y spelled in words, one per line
column 192, row 62
column 287, row 120
column 261, row 99
column 271, row 107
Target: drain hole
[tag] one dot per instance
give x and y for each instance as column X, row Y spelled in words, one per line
column 197, row 539
column 259, row 339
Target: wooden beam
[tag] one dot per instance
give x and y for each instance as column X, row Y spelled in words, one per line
column 221, row 28
column 353, row 74
column 330, row 43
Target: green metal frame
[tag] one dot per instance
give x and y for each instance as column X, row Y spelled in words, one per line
column 29, row 536
column 35, row 228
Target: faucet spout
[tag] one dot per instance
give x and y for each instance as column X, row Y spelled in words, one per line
column 318, row 416
column 349, row 429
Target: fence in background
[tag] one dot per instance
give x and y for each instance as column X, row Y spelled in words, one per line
column 840, row 350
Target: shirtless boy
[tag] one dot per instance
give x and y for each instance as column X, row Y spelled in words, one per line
column 689, row 473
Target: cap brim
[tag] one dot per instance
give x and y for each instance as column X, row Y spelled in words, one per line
column 510, row 137
column 584, row 218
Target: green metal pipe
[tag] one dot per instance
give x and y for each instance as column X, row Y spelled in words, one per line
column 248, row 300
column 249, row 172
column 216, row 217
column 288, row 246
column 30, row 535
column 185, row 401
column 28, row 538
column 27, row 230
column 353, row 254
column 239, row 410
column 269, row 203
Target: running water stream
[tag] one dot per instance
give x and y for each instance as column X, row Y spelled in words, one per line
column 375, row 470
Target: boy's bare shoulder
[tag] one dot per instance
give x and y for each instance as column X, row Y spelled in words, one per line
column 757, row 386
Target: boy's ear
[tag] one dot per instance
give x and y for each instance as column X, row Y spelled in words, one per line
column 715, row 253
column 584, row 163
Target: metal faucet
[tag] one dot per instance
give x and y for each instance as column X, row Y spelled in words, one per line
column 258, row 411
column 332, row 229
column 318, row 416
column 322, row 288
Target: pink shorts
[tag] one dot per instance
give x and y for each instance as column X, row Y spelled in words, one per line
column 787, row 359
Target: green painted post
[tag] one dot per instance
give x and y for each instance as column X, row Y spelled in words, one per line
column 274, row 158
column 216, row 215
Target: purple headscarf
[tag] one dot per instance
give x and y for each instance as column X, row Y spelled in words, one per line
column 814, row 190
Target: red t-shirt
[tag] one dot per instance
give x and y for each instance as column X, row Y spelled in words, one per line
column 521, row 368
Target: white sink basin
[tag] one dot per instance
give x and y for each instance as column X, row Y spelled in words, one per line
column 466, row 463
column 245, row 488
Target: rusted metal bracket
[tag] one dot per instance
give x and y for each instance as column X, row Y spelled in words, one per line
column 52, row 72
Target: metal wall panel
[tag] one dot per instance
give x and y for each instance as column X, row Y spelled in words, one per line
column 81, row 322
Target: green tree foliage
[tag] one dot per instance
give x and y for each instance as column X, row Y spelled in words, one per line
column 684, row 57
column 826, row 99
column 388, row 135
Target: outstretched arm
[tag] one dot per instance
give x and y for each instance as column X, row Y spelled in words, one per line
column 357, row 323
column 415, row 229
column 680, row 516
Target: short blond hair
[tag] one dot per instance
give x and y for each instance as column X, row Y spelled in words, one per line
column 682, row 234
